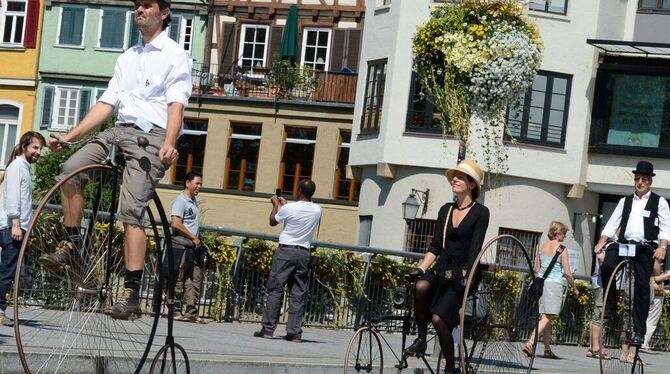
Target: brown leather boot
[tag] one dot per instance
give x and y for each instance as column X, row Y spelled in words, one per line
column 127, row 307
column 64, row 257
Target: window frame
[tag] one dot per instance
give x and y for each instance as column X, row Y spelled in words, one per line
column 366, row 125
column 282, row 166
column 240, row 50
column 56, row 106
column 4, row 14
column 411, row 235
column 60, row 27
column 546, row 108
column 190, row 133
column 428, row 112
column 352, row 184
column 535, row 236
column 4, row 141
column 655, row 9
column 600, row 117
column 546, row 8
column 303, row 49
column 125, row 29
column 248, row 137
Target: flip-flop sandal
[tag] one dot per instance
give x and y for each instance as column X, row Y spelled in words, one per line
column 597, row 354
column 181, row 318
column 551, row 355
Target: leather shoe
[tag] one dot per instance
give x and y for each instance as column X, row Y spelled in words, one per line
column 637, row 339
column 262, row 334
column 292, row 338
column 418, row 348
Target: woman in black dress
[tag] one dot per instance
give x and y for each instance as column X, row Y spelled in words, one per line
column 458, row 238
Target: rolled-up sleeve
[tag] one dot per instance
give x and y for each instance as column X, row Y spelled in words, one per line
column 663, row 220
column 111, row 94
column 12, row 186
column 178, row 85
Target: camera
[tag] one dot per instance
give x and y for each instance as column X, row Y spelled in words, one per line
column 400, row 297
column 278, row 192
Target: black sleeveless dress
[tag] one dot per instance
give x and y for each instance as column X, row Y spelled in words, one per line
column 461, row 247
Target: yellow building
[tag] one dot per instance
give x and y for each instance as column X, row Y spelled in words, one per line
column 20, row 30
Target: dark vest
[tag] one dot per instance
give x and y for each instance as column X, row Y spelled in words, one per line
column 650, row 226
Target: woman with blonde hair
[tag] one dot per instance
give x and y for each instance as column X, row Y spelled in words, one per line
column 552, row 264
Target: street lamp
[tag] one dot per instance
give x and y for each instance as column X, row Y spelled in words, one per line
column 411, row 205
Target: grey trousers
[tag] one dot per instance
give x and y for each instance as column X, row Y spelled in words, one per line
column 289, row 266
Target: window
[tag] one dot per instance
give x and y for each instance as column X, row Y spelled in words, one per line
column 541, row 114
column 654, row 5
column 315, row 48
column 181, row 30
column 364, row 230
column 9, row 124
column 113, row 28
column 13, row 19
column 422, row 115
column 253, row 46
column 242, row 160
column 549, row 6
column 631, row 109
column 71, row 29
column 134, row 35
column 191, row 147
column 508, row 252
column 345, row 189
column 374, row 96
column 66, row 108
column 296, row 163
column 420, row 235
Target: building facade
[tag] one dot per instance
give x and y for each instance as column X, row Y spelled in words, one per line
column 595, row 108
column 20, row 30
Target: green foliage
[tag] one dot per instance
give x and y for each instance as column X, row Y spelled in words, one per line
column 285, row 77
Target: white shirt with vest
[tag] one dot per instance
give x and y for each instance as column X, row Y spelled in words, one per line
column 300, row 219
column 148, row 77
column 635, row 226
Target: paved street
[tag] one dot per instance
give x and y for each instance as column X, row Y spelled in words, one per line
column 231, row 348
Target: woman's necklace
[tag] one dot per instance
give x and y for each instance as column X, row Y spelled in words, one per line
column 465, row 207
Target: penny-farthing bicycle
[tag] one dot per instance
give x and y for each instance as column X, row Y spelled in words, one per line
column 494, row 324
column 618, row 356
column 59, row 322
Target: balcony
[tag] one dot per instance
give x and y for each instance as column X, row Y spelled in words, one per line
column 278, row 83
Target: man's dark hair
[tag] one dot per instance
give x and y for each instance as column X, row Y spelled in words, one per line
column 307, row 188
column 191, row 176
column 163, row 4
column 24, row 142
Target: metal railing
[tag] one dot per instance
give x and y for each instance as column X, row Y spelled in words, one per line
column 276, row 83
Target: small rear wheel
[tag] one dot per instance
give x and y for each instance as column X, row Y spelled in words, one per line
column 171, row 359
column 364, row 353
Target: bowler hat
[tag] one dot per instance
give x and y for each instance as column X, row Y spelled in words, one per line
column 644, row 168
column 473, row 170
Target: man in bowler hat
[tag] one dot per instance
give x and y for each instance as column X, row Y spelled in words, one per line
column 641, row 218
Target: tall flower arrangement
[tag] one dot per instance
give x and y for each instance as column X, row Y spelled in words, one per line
column 477, row 57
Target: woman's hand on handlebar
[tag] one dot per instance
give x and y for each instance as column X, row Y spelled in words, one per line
column 414, row 275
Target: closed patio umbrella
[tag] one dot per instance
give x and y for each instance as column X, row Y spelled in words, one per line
column 289, row 40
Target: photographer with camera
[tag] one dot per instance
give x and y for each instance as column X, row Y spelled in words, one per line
column 458, row 238
column 290, row 263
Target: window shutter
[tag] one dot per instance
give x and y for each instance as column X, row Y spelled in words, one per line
column 228, row 45
column 337, row 50
column 106, row 32
column 275, row 44
column 32, row 23
column 175, row 25
column 77, row 25
column 353, row 52
column 84, row 102
column 47, row 104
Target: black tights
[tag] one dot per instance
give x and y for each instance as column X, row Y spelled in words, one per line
column 422, row 298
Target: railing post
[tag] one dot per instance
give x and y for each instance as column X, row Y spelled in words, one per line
column 366, row 258
column 231, row 300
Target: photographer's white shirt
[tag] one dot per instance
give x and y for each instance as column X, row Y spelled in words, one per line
column 300, row 219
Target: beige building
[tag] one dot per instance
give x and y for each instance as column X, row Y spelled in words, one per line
column 253, row 126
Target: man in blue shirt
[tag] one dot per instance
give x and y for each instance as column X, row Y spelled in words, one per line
column 16, row 200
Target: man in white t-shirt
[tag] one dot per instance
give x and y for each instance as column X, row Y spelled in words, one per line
column 291, row 261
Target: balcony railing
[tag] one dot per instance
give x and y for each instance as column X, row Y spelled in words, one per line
column 282, row 83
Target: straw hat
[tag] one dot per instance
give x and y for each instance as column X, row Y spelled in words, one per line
column 470, row 168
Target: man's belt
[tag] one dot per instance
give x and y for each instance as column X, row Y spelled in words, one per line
column 293, row 246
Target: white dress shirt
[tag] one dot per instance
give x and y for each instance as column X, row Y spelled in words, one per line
column 300, row 219
column 147, row 77
column 635, row 226
column 16, row 196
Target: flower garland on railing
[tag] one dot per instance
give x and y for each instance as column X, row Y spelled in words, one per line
column 222, row 253
column 477, row 57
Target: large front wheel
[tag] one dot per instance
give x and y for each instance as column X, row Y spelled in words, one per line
column 59, row 319
column 493, row 328
column 364, row 353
